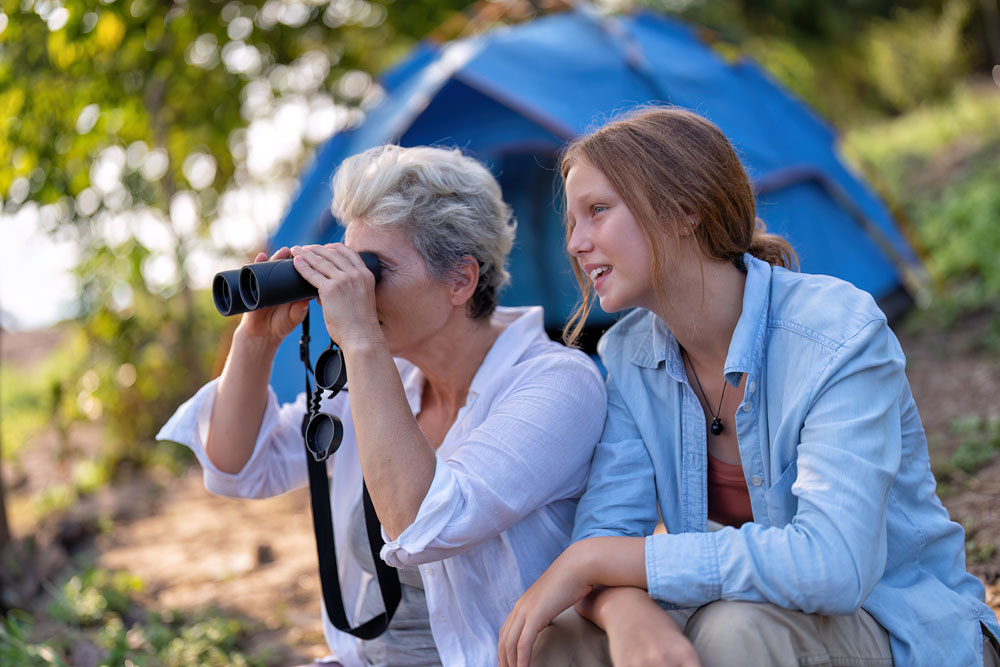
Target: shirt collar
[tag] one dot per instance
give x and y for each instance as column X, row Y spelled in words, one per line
column 746, row 350
column 747, row 346
column 523, row 326
column 659, row 345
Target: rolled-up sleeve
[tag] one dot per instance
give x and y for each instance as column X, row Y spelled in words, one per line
column 832, row 554
column 532, row 447
column 277, row 463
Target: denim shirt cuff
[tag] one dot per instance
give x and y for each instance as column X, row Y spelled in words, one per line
column 683, row 569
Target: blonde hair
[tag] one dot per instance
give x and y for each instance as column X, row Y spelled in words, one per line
column 669, row 165
column 449, row 204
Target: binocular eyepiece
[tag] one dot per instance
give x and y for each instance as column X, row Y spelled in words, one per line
column 266, row 284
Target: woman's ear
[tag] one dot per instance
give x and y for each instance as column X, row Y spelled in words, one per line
column 464, row 281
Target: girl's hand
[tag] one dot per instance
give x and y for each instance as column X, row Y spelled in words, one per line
column 275, row 323
column 640, row 633
column 346, row 291
column 559, row 587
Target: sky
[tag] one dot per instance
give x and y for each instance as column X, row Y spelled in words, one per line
column 37, row 288
column 36, row 284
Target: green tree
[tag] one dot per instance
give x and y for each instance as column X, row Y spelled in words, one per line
column 129, row 127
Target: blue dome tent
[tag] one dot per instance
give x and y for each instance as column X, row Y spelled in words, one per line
column 514, row 95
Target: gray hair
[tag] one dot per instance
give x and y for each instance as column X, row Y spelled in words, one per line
column 449, row 204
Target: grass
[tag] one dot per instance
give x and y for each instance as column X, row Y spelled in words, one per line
column 27, row 401
column 940, row 165
column 103, row 609
column 896, row 147
column 980, row 441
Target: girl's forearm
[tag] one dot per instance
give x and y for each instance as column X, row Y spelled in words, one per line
column 613, row 561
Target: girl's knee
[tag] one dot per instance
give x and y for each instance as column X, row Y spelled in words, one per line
column 731, row 633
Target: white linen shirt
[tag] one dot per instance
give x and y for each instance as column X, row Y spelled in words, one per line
column 500, row 507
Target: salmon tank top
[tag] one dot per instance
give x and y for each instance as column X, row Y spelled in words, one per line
column 728, row 497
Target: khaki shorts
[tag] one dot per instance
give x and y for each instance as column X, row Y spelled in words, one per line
column 741, row 633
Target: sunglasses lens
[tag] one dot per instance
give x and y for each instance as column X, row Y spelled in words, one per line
column 323, row 435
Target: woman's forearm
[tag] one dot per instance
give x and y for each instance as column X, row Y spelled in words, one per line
column 241, row 397
column 397, row 460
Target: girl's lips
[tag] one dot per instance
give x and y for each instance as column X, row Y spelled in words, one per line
column 601, row 278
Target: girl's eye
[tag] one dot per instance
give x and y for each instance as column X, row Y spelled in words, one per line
column 600, row 209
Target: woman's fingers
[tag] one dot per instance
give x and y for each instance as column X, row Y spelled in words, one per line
column 345, row 290
column 276, row 321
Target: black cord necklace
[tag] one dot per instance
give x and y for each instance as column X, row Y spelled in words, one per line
column 716, row 416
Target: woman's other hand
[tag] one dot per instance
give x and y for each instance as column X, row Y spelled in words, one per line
column 346, row 291
column 276, row 322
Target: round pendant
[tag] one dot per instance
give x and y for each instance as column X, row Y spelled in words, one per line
column 717, row 426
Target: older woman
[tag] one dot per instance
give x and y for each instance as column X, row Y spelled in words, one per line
column 471, row 429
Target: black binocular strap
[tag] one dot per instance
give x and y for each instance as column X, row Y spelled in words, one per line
column 388, row 579
column 319, row 493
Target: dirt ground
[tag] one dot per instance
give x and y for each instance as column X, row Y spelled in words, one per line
column 258, row 559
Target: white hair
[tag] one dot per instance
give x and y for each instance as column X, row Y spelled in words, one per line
column 449, row 204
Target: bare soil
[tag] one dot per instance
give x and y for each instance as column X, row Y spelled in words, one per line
column 257, row 559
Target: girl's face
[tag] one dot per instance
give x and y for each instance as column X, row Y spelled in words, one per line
column 606, row 240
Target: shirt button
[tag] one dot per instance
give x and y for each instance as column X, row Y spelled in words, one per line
column 748, row 406
column 751, row 386
column 756, row 480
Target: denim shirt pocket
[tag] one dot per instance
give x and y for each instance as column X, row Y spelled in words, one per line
column 781, row 503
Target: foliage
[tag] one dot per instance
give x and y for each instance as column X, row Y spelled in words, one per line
column 17, row 650
column 941, row 164
column 850, row 61
column 101, row 607
column 981, row 440
column 126, row 126
column 917, row 55
column 974, row 551
column 27, row 401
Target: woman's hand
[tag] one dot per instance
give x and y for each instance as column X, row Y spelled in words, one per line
column 559, row 587
column 346, row 291
column 275, row 323
column 640, row 633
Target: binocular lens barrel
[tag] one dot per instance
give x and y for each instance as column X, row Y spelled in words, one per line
column 226, row 292
column 266, row 284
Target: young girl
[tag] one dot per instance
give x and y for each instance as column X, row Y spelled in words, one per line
column 771, row 403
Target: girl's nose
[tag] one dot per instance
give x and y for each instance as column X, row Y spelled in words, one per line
column 579, row 241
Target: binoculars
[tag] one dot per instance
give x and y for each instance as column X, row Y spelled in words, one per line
column 266, row 284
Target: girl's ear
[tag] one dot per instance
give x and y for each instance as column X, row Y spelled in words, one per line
column 687, row 227
column 464, row 281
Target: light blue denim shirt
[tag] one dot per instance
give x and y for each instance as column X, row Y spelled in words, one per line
column 835, row 458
